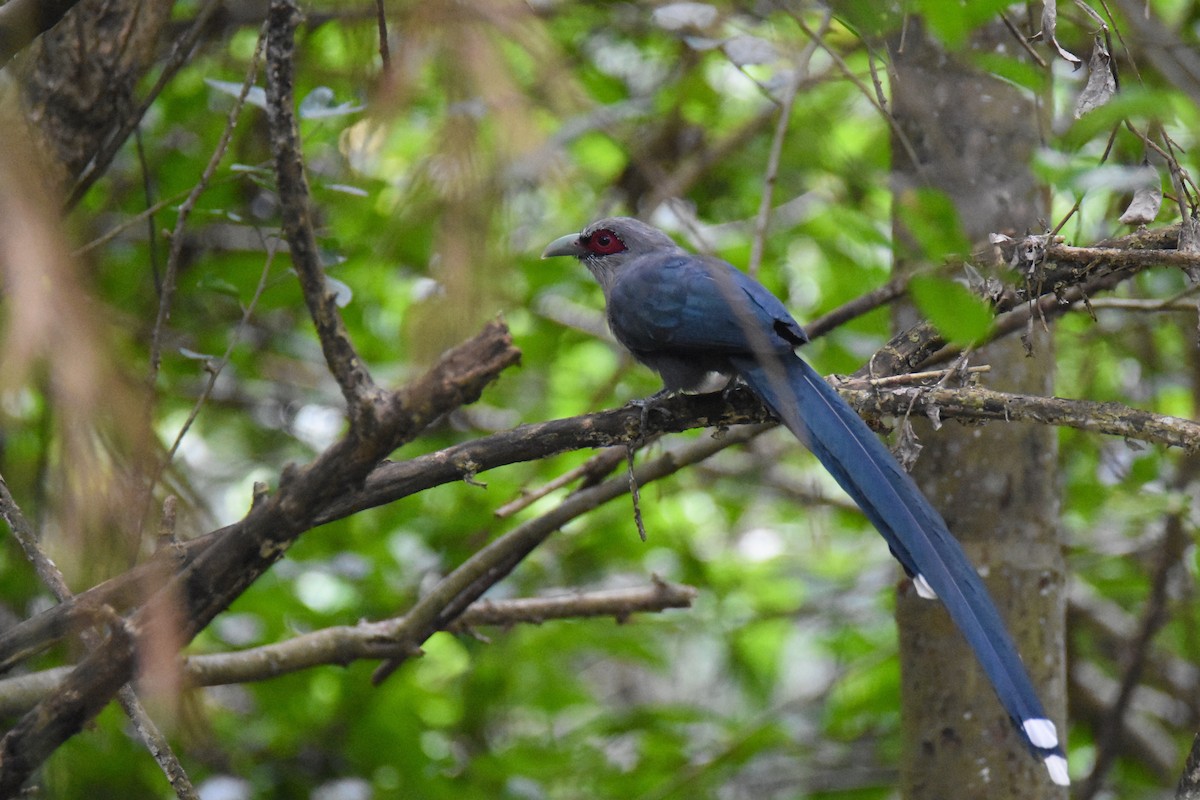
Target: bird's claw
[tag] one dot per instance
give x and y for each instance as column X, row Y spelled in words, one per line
column 732, row 389
column 647, row 406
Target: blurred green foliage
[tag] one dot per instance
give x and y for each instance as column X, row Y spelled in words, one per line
column 496, row 133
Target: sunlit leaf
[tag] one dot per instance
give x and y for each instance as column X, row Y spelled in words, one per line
column 747, row 50
column 319, row 104
column 930, row 218
column 959, row 315
column 256, row 96
column 677, row 16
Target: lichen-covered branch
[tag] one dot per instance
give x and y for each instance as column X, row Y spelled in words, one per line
column 978, row 403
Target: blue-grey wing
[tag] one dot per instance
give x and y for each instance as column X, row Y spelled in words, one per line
column 690, row 303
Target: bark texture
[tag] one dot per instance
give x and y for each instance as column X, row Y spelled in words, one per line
column 79, row 78
column 972, row 137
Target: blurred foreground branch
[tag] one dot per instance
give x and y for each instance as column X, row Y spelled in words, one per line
column 344, row 644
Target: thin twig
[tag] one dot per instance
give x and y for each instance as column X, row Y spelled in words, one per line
column 491, row 564
column 154, row 740
column 601, row 463
column 385, row 54
column 1112, row 138
column 151, row 225
column 141, row 216
column 214, row 369
column 914, row 378
column 863, row 304
column 185, row 209
column 1175, row 539
column 635, row 493
column 47, row 571
column 341, row 644
column 763, row 217
column 844, row 68
column 799, row 68
column 180, row 56
column 1023, row 41
column 1138, row 304
column 364, row 400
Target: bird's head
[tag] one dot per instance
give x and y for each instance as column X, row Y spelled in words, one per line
column 608, row 244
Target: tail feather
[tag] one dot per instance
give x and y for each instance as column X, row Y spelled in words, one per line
column 914, row 531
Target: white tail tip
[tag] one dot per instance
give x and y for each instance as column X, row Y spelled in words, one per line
column 1057, row 765
column 1041, row 733
column 923, row 588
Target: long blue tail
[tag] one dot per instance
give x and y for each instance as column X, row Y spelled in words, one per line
column 914, row 531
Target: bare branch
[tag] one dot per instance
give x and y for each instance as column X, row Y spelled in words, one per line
column 167, row 293
column 860, row 305
column 1189, row 782
column 154, row 740
column 245, row 550
column 488, row 566
column 47, row 571
column 343, row 644
column 394, row 480
column 363, row 397
column 86, row 690
column 602, row 463
column 799, row 68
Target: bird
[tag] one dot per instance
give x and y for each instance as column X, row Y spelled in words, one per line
column 688, row 316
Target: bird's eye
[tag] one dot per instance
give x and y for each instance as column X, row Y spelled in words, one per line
column 604, row 243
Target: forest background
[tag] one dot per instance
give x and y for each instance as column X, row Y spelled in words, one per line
column 248, row 255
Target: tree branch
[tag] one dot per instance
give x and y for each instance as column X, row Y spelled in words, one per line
column 243, row 551
column 1189, row 781
column 86, row 690
column 152, row 738
column 22, row 21
column 363, row 397
column 391, row 481
column 343, row 644
column 491, row 564
column 978, row 403
column 395, row 480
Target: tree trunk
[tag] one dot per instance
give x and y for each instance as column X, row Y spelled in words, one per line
column 79, row 77
column 995, row 485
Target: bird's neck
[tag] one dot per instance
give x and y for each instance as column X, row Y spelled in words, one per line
column 604, row 273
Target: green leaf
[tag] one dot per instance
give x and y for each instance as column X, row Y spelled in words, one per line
column 215, row 283
column 958, row 314
column 930, row 218
column 953, row 22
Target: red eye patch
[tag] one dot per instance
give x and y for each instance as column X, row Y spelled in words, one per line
column 604, row 242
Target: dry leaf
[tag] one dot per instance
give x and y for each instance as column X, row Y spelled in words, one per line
column 908, row 447
column 1147, row 198
column 1101, row 83
column 1049, row 26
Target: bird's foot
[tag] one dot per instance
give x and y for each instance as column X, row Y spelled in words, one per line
column 732, row 389
column 648, row 405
